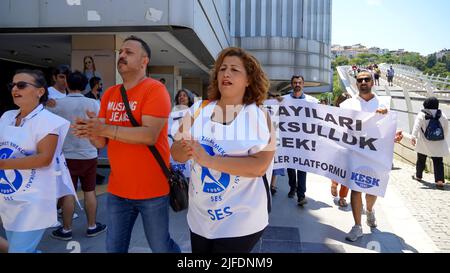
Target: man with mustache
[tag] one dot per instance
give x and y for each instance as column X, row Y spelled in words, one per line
column 137, row 184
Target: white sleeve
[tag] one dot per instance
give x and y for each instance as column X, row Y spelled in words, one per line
column 49, row 123
column 96, row 106
column 444, row 122
column 417, row 125
column 263, row 133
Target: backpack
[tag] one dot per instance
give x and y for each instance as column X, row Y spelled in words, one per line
column 434, row 131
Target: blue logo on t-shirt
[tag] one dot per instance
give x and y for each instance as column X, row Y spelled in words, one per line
column 11, row 180
column 213, row 181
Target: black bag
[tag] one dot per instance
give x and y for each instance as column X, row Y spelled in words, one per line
column 434, row 131
column 177, row 181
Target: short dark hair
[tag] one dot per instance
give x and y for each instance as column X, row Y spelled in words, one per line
column 431, row 103
column 365, row 71
column 144, row 45
column 297, row 77
column 39, row 80
column 76, row 81
column 93, row 81
column 61, row 69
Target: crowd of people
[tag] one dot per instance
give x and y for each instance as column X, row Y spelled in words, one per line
column 375, row 70
column 228, row 205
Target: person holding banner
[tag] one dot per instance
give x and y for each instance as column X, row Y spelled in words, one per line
column 368, row 102
column 297, row 178
column 232, row 145
column 334, row 185
column 31, row 163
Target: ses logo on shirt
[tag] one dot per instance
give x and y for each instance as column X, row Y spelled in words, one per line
column 213, row 181
column 365, row 178
column 10, row 180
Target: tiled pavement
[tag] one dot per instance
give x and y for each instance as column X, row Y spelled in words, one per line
column 411, row 218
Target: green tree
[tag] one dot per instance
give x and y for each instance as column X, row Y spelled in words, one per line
column 359, row 61
column 337, row 89
column 340, row 61
column 368, row 58
column 413, row 59
column 431, row 61
column 388, row 58
column 438, row 69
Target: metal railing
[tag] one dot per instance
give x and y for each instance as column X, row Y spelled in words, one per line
column 411, row 88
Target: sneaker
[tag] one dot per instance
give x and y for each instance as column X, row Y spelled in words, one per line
column 371, row 220
column 302, row 201
column 75, row 215
column 292, row 193
column 61, row 235
column 99, row 229
column 416, row 178
column 354, row 234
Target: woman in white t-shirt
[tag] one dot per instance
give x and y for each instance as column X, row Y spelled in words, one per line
column 232, row 145
column 31, row 165
column 183, row 101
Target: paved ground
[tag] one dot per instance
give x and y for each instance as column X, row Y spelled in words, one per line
column 428, row 205
column 411, row 218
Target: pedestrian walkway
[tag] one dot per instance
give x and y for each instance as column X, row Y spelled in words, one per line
column 411, row 218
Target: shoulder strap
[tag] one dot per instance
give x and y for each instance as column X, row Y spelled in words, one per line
column 197, row 112
column 268, row 193
column 133, row 121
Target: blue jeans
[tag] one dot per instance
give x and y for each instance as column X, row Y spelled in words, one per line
column 24, row 242
column 297, row 181
column 122, row 214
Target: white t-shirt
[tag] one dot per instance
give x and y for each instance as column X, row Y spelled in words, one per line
column 173, row 123
column 306, row 97
column 71, row 107
column 359, row 104
column 223, row 205
column 28, row 197
column 55, row 94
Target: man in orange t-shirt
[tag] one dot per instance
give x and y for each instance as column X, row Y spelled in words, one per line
column 137, row 183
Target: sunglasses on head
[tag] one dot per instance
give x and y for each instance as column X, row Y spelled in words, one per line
column 20, row 85
column 364, row 79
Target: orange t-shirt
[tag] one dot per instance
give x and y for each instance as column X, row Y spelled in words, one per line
column 135, row 173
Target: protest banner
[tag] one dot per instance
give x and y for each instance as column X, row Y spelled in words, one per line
column 351, row 147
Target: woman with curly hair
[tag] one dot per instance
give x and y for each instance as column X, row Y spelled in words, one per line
column 232, row 145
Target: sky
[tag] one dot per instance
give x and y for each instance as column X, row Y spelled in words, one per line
column 414, row 25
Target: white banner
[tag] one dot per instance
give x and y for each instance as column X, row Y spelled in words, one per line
column 353, row 148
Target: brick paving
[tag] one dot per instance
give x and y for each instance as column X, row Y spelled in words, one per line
column 426, row 203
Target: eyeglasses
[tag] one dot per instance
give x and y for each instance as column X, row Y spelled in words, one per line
column 20, row 85
column 364, row 79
